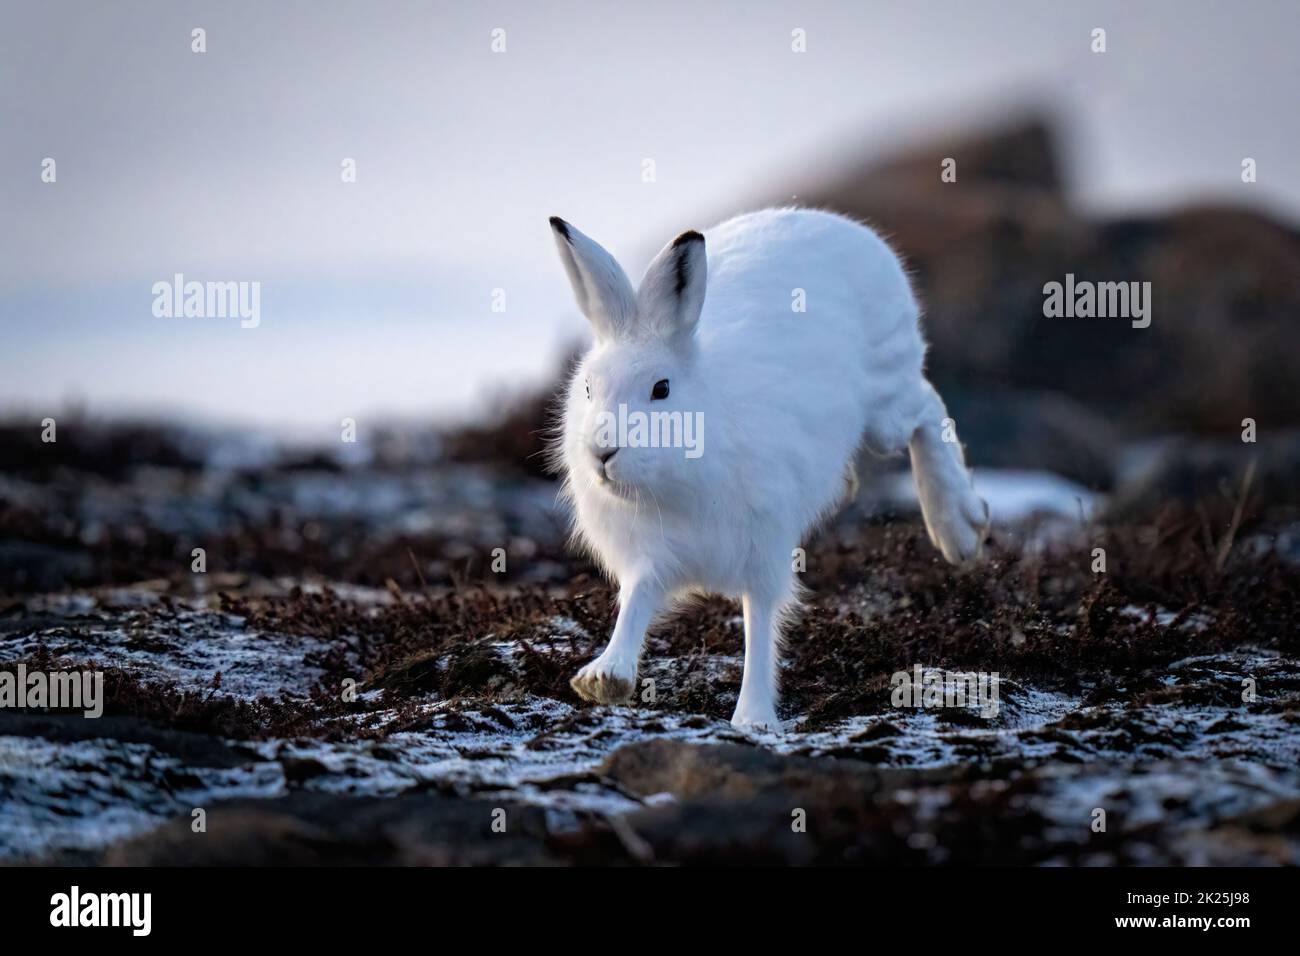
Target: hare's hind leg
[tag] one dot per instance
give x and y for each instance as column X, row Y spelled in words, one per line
column 611, row 677
column 764, row 610
column 956, row 518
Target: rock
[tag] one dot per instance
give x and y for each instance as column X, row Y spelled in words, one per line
column 1036, row 431
column 741, row 805
column 312, row 829
column 194, row 749
column 26, row 566
column 1187, row 470
column 733, row 771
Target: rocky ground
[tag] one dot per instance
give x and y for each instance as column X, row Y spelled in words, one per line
column 1120, row 691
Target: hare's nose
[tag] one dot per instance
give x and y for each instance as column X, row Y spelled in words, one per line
column 603, row 455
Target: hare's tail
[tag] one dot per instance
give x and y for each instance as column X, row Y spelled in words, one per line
column 956, row 518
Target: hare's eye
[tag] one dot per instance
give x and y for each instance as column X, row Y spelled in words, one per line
column 588, row 389
column 660, row 389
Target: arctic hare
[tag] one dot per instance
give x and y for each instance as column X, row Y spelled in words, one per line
column 714, row 423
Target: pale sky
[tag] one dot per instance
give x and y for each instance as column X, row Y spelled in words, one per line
column 376, row 295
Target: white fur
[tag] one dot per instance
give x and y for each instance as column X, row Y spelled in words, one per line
column 786, row 397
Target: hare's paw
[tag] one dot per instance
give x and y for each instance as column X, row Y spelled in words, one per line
column 755, row 719
column 973, row 530
column 604, row 682
column 961, row 529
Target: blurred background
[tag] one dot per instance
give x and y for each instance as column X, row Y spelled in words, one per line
column 377, row 295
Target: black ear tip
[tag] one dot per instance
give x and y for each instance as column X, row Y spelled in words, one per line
column 560, row 226
column 688, row 236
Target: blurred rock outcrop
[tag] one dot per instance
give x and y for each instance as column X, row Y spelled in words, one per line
column 1225, row 286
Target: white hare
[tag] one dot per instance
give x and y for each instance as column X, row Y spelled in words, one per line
column 715, row 422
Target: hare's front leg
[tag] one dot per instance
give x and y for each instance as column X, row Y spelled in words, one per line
column 611, row 677
column 756, row 707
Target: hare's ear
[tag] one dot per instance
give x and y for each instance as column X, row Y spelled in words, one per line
column 600, row 285
column 672, row 291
